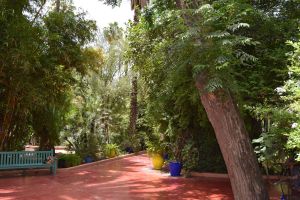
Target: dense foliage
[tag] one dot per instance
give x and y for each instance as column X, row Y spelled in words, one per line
column 69, row 160
column 57, row 89
column 280, row 136
column 99, row 109
column 39, row 53
column 239, row 45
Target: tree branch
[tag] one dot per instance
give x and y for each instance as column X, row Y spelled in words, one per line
column 39, row 11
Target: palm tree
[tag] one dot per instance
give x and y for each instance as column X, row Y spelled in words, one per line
column 113, row 32
column 136, row 5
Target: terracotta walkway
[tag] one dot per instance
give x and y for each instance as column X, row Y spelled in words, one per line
column 127, row 178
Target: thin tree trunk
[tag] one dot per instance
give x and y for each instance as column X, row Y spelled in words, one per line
column 133, row 107
column 180, row 4
column 242, row 166
column 7, row 119
column 57, row 5
column 107, row 115
column 136, row 5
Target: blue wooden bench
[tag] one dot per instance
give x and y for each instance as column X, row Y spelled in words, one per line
column 27, row 160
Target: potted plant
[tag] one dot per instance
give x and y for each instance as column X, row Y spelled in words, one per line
column 155, row 151
column 111, row 150
column 175, row 168
column 88, row 159
column 175, row 162
column 126, row 145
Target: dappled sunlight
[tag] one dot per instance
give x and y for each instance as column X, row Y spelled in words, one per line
column 8, row 198
column 3, row 191
column 83, row 173
column 203, row 87
column 112, row 171
column 129, row 178
column 217, row 197
column 78, row 183
column 64, row 197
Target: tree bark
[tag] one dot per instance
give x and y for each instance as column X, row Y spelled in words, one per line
column 57, row 5
column 179, row 4
column 133, row 107
column 242, row 166
column 241, row 162
column 7, row 119
column 135, row 5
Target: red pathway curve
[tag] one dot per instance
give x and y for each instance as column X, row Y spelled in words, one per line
column 126, row 178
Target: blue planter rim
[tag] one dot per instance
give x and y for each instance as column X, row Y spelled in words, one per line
column 175, row 162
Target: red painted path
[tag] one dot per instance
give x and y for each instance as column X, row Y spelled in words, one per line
column 127, row 178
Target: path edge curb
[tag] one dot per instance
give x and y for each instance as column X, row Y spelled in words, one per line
column 225, row 176
column 101, row 161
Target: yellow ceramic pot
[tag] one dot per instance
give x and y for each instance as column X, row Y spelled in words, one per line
column 157, row 161
column 112, row 153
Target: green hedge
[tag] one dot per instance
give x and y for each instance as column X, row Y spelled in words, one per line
column 69, row 160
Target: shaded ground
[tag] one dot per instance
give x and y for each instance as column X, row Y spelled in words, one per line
column 128, row 178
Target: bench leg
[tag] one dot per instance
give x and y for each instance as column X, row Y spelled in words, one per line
column 53, row 169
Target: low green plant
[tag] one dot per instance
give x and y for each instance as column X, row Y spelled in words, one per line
column 111, row 150
column 155, row 146
column 70, row 159
column 190, row 157
column 174, row 148
column 84, row 144
column 135, row 142
column 270, row 151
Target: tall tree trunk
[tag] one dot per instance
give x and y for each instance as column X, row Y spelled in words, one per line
column 7, row 118
column 136, row 5
column 240, row 159
column 133, row 107
column 57, row 5
column 179, row 4
column 243, row 170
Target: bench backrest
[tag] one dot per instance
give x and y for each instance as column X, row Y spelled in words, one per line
column 23, row 158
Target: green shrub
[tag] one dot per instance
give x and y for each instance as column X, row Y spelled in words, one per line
column 190, row 157
column 154, row 147
column 70, row 159
column 111, row 150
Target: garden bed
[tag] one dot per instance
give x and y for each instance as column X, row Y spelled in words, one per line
column 102, row 161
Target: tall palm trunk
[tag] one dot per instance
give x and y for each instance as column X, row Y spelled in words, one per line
column 133, row 107
column 136, row 5
column 57, row 5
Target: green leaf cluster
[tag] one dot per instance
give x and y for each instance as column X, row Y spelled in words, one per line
column 238, row 45
column 100, row 100
column 40, row 50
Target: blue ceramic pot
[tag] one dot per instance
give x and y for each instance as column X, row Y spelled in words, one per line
column 88, row 159
column 129, row 149
column 166, row 156
column 175, row 168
